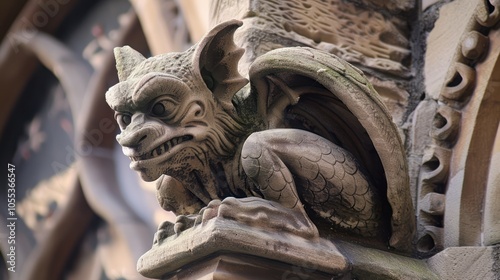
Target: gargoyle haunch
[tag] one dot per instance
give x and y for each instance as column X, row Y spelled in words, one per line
column 309, row 134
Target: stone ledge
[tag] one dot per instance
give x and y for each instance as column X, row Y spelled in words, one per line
column 220, row 235
column 369, row 263
column 229, row 266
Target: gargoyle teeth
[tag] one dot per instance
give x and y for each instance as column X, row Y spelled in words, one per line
column 163, row 148
column 158, row 151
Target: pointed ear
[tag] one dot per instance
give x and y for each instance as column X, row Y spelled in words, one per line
column 126, row 60
column 216, row 60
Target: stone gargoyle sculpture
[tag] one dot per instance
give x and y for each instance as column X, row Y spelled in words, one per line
column 307, row 136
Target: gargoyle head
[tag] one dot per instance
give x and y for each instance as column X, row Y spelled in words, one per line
column 176, row 107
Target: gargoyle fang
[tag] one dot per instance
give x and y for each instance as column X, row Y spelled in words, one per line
column 163, row 148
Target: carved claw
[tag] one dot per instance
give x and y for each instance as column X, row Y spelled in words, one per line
column 209, row 212
column 165, row 229
column 184, row 222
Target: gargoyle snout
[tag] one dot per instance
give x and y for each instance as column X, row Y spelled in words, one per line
column 132, row 139
column 137, row 134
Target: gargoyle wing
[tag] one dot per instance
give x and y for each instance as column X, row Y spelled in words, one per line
column 316, row 91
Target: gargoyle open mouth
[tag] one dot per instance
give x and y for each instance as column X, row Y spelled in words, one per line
column 163, row 148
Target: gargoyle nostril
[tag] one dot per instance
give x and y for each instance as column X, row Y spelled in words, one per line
column 142, row 138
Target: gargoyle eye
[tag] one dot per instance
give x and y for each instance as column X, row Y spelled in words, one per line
column 123, row 119
column 163, row 108
column 158, row 109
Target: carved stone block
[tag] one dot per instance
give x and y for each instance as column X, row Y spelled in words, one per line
column 207, row 242
column 229, row 266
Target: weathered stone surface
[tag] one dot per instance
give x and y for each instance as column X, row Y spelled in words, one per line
column 356, row 34
column 433, row 203
column 453, row 205
column 491, row 228
column 466, row 263
column 428, row 3
column 222, row 235
column 369, row 263
column 474, row 45
column 394, row 97
column 393, row 6
column 420, row 130
column 421, row 126
column 227, row 266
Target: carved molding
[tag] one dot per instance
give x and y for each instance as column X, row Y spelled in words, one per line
column 462, row 81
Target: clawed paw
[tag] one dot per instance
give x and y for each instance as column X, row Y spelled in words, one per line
column 167, row 228
column 251, row 211
column 210, row 211
column 184, row 222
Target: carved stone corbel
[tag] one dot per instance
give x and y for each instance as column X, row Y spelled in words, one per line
column 307, row 150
